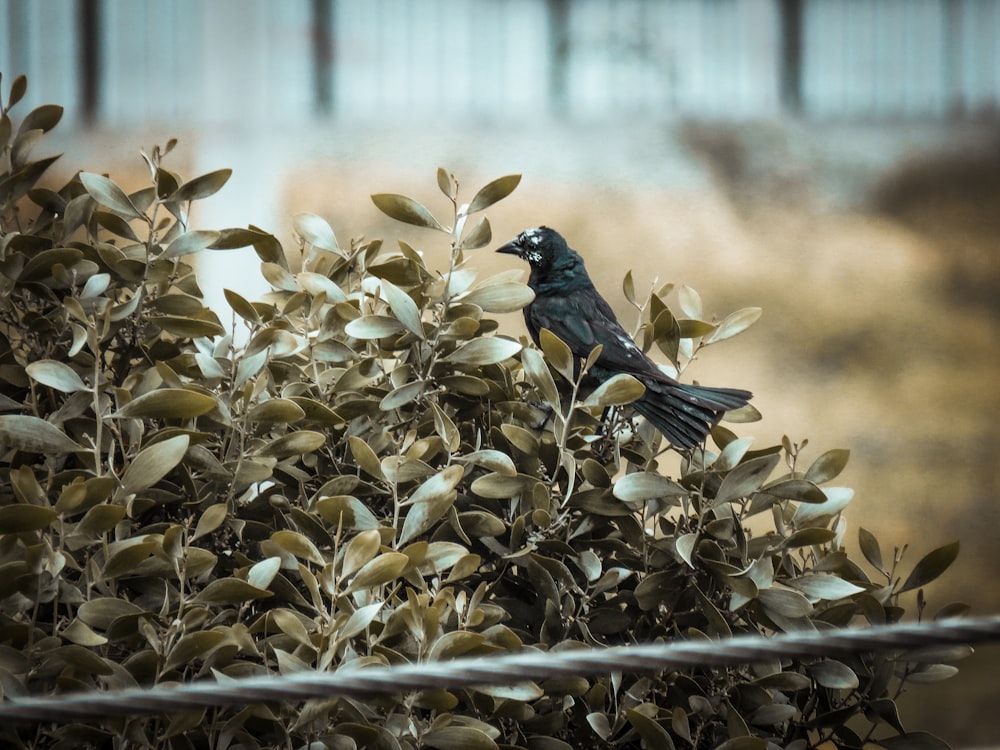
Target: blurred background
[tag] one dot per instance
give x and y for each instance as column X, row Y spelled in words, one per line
column 836, row 162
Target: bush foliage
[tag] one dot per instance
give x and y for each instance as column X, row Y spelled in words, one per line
column 361, row 470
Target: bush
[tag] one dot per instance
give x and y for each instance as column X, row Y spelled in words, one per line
column 364, row 471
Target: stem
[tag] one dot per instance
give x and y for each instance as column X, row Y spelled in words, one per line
column 99, row 423
column 442, row 311
column 567, row 417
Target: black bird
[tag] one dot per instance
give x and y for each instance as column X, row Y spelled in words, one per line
column 567, row 303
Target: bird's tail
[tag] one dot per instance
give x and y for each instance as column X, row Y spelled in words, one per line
column 685, row 413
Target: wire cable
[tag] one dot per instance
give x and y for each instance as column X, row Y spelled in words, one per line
column 525, row 666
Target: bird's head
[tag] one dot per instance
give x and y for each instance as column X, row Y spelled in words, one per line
column 540, row 247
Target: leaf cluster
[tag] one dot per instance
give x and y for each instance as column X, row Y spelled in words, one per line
column 362, row 470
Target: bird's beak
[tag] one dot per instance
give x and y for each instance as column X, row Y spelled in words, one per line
column 511, row 248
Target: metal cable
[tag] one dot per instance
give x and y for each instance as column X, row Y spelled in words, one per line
column 528, row 665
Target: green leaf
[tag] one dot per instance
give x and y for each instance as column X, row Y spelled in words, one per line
column 446, row 182
column 595, row 354
column 870, row 547
column 652, row 734
column 262, row 574
column 43, row 118
column 640, row 486
column 386, row 567
column 692, row 329
column 491, row 459
column 494, row 191
column 453, row 644
column 365, row 457
column 17, row 89
column 403, row 395
column 168, row 403
column 458, row 738
column 127, row 557
column 153, row 463
column 446, row 429
column 746, row 478
column 617, row 390
column 23, row 144
column 268, row 248
column 289, row 623
column 826, row 586
column 785, row 681
column 524, row 440
column 557, row 353
column 100, row 519
column 927, row 673
column 685, row 546
column 837, row 498
column 21, row 181
column 690, row 301
column 191, row 242
column 484, row 351
column 785, row 602
column 479, row 524
column 403, row 307
column 360, row 550
column 406, row 210
column 297, row 544
column 735, row 323
column 124, row 310
column 732, row 451
column 189, row 327
column 828, row 466
column 20, row 517
column 108, row 194
column 116, row 225
column 193, row 646
column 235, row 237
column 800, row 490
column 101, row 612
column 539, row 375
column 277, row 342
column 680, row 723
column 833, row 674
column 230, row 591
column 496, row 485
column 932, row 565
column 430, row 502
column 34, row 435
column 628, row 288
column 500, row 298
column 294, row 444
column 360, row 619
column 56, row 375
column 210, row 520
column 276, row 411
column 477, row 237
column 317, row 283
column 316, row 231
column 82, row 635
column 201, row 187
column 666, row 331
column 369, row 327
column 654, row 589
column 808, row 536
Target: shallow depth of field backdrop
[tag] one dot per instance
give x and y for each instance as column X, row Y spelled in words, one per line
column 833, row 162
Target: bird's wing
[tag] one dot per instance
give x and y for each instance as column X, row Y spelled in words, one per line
column 583, row 320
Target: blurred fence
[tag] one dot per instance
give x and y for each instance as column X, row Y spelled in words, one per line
column 131, row 62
